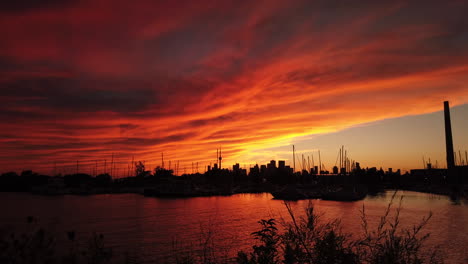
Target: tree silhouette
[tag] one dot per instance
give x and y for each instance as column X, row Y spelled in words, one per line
column 139, row 168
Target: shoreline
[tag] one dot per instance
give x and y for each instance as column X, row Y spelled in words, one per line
column 449, row 191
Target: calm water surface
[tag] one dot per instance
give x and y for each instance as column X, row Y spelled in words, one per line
column 151, row 227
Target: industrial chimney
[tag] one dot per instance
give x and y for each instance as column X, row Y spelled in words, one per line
column 448, row 138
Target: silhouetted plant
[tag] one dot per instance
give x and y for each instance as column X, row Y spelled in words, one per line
column 307, row 240
column 139, row 168
column 267, row 251
column 96, row 251
column 162, row 172
column 390, row 244
column 36, row 245
column 205, row 251
column 207, row 247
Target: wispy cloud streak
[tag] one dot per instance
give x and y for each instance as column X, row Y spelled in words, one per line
column 81, row 80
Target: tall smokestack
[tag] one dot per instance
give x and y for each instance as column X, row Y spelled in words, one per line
column 448, row 137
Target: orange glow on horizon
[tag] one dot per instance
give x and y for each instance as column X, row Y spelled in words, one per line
column 85, row 81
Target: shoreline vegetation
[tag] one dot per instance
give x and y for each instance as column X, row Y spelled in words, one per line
column 300, row 239
column 283, row 185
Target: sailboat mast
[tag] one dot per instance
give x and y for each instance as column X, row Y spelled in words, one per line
column 320, row 163
column 294, row 160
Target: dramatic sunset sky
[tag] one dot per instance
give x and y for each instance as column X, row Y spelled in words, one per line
column 80, row 80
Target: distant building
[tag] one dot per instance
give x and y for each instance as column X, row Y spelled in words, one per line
column 358, row 166
column 335, row 170
column 272, row 164
column 281, row 164
column 343, row 171
column 255, row 169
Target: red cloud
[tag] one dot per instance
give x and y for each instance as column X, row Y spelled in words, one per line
column 81, row 81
